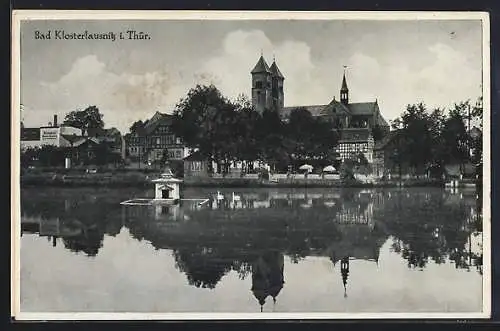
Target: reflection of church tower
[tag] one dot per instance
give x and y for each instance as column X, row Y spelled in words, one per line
column 344, row 270
column 267, row 277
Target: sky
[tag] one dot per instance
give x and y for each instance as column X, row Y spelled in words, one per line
column 396, row 62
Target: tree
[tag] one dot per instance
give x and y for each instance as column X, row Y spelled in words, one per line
column 415, row 139
column 51, row 156
column 137, row 127
column 455, row 136
column 85, row 119
column 310, row 138
column 204, row 121
column 378, row 133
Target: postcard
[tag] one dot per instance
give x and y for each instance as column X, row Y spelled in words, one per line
column 250, row 165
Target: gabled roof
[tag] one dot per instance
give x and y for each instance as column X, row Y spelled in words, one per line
column 334, row 107
column 276, row 71
column 76, row 141
column 261, row 66
column 362, row 108
column 337, row 107
column 73, row 138
column 157, row 119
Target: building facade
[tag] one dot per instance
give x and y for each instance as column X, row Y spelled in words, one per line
column 81, row 146
column 355, row 121
column 149, row 142
column 53, row 134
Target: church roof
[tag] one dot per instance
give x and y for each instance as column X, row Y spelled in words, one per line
column 362, row 108
column 276, row 71
column 261, row 66
column 315, row 110
column 337, row 107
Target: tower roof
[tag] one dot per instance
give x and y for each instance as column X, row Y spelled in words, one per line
column 344, row 84
column 276, row 71
column 261, row 66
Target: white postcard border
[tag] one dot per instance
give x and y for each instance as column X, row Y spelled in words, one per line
column 20, row 15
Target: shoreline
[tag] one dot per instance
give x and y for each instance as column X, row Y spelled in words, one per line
column 144, row 180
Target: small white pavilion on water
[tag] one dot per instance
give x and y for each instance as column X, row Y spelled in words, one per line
column 167, row 188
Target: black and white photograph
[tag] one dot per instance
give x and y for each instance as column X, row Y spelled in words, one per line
column 250, row 165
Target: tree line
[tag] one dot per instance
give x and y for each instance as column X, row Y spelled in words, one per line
column 430, row 140
column 226, row 131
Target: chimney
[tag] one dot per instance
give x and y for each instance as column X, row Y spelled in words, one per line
column 55, row 120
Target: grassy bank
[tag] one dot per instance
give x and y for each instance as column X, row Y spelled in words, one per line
column 86, row 180
column 141, row 179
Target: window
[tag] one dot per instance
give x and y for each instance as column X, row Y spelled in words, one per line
column 170, row 140
column 157, row 141
column 258, row 84
column 178, row 154
column 178, row 140
column 196, row 166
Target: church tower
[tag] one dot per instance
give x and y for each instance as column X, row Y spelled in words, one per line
column 261, row 86
column 344, row 91
column 277, row 87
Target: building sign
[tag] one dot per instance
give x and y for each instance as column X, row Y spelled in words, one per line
column 49, row 135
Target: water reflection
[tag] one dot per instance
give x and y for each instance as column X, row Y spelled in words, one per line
column 252, row 236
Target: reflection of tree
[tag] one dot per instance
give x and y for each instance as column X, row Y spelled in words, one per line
column 83, row 216
column 89, row 242
column 429, row 228
column 203, row 268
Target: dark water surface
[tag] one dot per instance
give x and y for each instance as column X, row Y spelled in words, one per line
column 282, row 250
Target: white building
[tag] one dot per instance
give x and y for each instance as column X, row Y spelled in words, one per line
column 53, row 134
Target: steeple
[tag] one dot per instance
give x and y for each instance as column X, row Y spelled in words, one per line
column 261, row 66
column 344, row 270
column 276, row 71
column 344, row 90
column 278, row 98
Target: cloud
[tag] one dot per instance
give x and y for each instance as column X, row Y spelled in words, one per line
column 122, row 98
column 448, row 76
column 447, row 79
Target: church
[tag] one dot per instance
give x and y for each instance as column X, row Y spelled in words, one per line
column 355, row 121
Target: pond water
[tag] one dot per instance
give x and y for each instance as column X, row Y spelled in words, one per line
column 270, row 250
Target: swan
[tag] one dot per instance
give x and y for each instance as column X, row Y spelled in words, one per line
column 236, row 197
